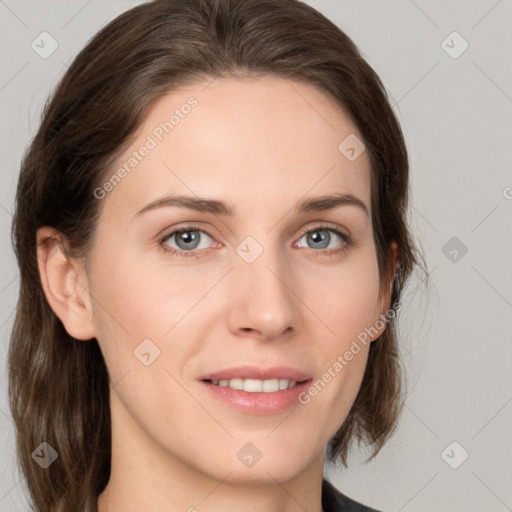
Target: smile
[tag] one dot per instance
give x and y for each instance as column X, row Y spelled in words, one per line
column 256, row 385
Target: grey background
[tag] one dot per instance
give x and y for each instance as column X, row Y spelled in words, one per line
column 455, row 114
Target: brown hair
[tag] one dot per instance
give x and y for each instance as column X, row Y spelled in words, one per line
column 59, row 386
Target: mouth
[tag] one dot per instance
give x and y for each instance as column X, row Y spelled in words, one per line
column 256, row 385
column 257, row 390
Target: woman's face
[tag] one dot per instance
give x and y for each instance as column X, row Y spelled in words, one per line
column 269, row 286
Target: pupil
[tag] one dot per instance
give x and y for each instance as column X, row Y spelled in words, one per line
column 188, row 237
column 319, row 236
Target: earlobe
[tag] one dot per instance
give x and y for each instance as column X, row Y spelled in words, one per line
column 65, row 284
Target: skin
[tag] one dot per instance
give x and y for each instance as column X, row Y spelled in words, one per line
column 261, row 145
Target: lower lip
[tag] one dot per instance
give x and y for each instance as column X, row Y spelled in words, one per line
column 259, row 403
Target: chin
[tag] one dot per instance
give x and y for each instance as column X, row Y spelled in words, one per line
column 268, row 474
column 261, row 462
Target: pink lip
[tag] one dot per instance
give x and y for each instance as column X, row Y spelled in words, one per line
column 258, row 403
column 255, row 372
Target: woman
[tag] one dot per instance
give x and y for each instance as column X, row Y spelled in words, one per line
column 210, row 228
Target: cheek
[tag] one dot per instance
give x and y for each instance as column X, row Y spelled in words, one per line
column 141, row 302
column 146, row 314
column 345, row 297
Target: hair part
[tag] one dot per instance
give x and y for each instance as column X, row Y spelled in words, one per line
column 58, row 385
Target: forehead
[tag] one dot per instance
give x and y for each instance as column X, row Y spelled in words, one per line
column 265, row 141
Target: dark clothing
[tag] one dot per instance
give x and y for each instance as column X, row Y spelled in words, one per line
column 334, row 501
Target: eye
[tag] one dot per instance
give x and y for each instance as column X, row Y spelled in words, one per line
column 187, row 240
column 320, row 238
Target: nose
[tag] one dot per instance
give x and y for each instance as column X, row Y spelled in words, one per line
column 263, row 302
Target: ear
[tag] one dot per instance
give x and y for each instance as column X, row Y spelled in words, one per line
column 385, row 294
column 65, row 284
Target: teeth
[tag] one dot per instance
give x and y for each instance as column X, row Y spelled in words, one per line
column 256, row 385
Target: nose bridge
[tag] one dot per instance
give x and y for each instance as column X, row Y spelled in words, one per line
column 263, row 299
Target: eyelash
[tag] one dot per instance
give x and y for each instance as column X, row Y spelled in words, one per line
column 346, row 241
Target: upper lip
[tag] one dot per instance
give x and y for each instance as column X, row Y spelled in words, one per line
column 256, row 372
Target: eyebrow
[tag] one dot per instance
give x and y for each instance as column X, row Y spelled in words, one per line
column 218, row 207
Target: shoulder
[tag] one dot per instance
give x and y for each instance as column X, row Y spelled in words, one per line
column 334, row 501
